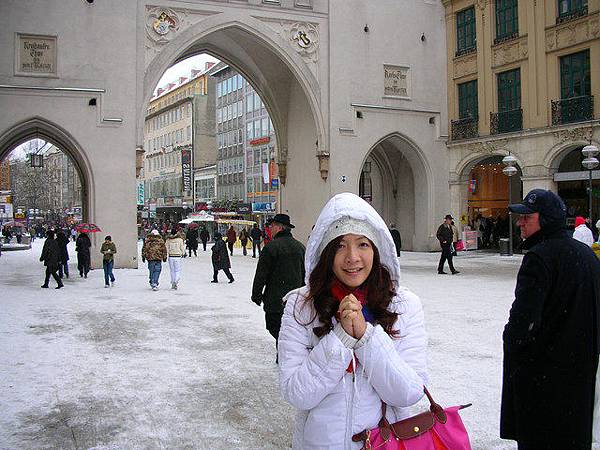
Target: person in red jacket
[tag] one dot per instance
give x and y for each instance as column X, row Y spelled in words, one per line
column 231, row 238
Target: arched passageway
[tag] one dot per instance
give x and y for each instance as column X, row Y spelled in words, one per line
column 395, row 180
column 288, row 87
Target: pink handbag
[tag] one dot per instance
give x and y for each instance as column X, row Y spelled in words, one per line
column 436, row 429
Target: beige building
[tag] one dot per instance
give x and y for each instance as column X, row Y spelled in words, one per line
column 179, row 137
column 522, row 78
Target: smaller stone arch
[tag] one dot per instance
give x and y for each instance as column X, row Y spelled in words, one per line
column 406, row 193
column 556, row 154
column 40, row 128
column 464, row 167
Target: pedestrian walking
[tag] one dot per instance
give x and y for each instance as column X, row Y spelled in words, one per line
column 74, row 234
column 175, row 251
column 551, row 340
column 352, row 338
column 220, row 259
column 191, row 240
column 155, row 252
column 582, row 233
column 231, row 238
column 204, row 237
column 445, row 235
column 255, row 235
column 19, row 235
column 63, row 241
column 244, row 236
column 280, row 269
column 396, row 238
column 108, row 251
column 51, row 258
column 82, row 247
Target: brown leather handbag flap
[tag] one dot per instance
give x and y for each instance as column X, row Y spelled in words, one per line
column 413, row 426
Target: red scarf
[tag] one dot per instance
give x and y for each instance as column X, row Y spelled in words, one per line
column 338, row 292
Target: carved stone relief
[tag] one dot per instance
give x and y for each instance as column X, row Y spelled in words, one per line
column 509, row 52
column 573, row 134
column 465, row 65
column 572, row 33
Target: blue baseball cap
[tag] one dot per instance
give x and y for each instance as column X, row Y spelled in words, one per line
column 547, row 203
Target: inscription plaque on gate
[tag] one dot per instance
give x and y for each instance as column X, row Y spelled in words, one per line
column 396, row 81
column 35, row 55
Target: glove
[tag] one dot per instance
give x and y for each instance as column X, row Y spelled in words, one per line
column 257, row 301
column 143, row 260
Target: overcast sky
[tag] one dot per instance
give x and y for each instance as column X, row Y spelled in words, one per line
column 182, row 69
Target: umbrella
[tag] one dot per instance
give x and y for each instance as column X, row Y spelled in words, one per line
column 193, row 225
column 87, row 228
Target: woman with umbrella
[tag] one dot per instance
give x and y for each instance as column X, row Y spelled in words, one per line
column 82, row 247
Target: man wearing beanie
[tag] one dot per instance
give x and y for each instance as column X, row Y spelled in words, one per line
column 280, row 269
column 582, row 233
column 551, row 340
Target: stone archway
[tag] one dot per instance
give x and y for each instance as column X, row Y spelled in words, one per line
column 285, row 82
column 400, row 188
column 49, row 132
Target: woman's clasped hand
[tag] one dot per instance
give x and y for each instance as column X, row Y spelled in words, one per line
column 351, row 316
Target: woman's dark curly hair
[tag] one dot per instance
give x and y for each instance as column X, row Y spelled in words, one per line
column 379, row 287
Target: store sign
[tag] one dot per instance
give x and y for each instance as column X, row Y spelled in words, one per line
column 396, row 81
column 244, row 208
column 35, row 55
column 275, row 183
column 263, row 206
column 186, row 170
column 260, row 141
column 140, row 192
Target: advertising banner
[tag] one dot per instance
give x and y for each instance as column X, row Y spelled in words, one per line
column 244, row 208
column 186, row 170
column 140, row 192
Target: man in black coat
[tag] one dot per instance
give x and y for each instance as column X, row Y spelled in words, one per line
column 396, row 237
column 204, row 238
column 445, row 236
column 220, row 259
column 280, row 269
column 51, row 257
column 82, row 247
column 191, row 238
column 255, row 236
column 551, row 338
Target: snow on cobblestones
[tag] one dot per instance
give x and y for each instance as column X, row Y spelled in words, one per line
column 125, row 367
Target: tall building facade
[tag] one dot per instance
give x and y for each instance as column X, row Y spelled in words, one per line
column 179, row 136
column 523, row 79
column 246, row 144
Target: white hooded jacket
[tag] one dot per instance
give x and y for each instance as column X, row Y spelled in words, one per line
column 583, row 234
column 333, row 404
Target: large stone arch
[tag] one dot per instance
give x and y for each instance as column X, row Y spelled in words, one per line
column 40, row 128
column 291, row 92
column 407, row 187
column 555, row 155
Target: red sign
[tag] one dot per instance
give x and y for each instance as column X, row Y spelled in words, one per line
column 259, row 141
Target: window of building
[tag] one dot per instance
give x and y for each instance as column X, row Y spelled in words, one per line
column 249, row 103
column 571, row 7
column 507, row 19
column 249, row 130
column 575, row 80
column 465, row 30
column 257, row 102
column 240, row 109
column 265, row 126
column 509, row 90
column 467, row 100
column 189, row 132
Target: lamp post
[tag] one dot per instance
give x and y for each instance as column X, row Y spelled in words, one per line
column 509, row 170
column 590, row 162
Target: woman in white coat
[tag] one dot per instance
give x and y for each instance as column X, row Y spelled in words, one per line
column 352, row 337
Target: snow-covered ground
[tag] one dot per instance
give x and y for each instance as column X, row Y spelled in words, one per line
column 128, row 368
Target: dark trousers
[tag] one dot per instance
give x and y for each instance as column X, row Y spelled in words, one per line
column 255, row 245
column 63, row 269
column 52, row 270
column 244, row 250
column 216, row 274
column 230, row 245
column 273, row 323
column 192, row 249
column 204, row 245
column 446, row 255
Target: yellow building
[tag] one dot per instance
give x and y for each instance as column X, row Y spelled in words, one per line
column 522, row 79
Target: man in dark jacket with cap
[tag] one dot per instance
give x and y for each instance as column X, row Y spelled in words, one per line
column 445, row 236
column 280, row 269
column 551, row 338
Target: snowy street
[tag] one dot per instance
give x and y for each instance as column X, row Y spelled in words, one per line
column 127, row 368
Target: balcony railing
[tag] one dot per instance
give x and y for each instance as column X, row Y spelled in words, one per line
column 506, row 121
column 465, row 128
column 574, row 109
column 573, row 14
column 506, row 37
column 467, row 50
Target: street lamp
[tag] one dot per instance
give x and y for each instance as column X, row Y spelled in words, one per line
column 590, row 162
column 509, row 170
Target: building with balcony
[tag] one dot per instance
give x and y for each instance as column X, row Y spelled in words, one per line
column 522, row 77
column 179, row 138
